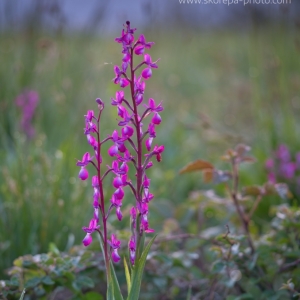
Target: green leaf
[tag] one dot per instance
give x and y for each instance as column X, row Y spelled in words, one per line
column 69, row 275
column 85, row 282
column 18, row 262
column 28, row 264
column 113, row 288
column 252, row 262
column 137, row 274
column 110, row 291
column 117, row 295
column 53, row 249
column 189, row 295
column 32, row 282
column 47, row 280
column 218, row 267
column 14, row 281
column 49, row 261
column 22, row 295
column 127, row 275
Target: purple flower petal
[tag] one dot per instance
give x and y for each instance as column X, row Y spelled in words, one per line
column 95, row 181
column 87, row 240
column 119, row 193
column 119, row 213
column 148, row 143
column 115, row 256
column 139, row 50
column 147, row 73
column 156, row 119
column 117, row 182
column 83, row 174
column 127, row 131
column 113, row 150
column 123, row 82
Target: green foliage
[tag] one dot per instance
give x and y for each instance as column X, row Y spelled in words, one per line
column 45, row 274
column 127, row 275
column 137, row 273
column 22, row 295
column 113, row 291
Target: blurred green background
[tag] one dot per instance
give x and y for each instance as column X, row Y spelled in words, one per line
column 221, row 83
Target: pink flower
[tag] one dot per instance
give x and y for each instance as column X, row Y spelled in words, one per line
column 89, row 230
column 147, row 73
column 141, row 45
column 115, row 245
column 132, row 249
column 83, row 174
column 118, row 144
column 86, row 159
column 119, row 79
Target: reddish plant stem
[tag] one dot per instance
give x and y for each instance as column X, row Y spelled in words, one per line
column 139, row 167
column 243, row 217
column 102, row 203
column 138, row 132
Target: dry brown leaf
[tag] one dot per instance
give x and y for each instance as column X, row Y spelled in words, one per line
column 208, row 175
column 197, row 165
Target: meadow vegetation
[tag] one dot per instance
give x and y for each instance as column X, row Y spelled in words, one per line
column 219, row 89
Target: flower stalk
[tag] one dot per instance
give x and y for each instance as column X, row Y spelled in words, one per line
column 131, row 122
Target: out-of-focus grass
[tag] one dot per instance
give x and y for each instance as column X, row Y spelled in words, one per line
column 218, row 88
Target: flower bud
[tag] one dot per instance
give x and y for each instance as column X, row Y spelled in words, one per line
column 100, row 104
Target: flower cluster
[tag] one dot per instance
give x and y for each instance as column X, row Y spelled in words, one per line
column 28, row 102
column 127, row 148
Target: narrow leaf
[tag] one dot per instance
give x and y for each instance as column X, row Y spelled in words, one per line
column 22, row 295
column 115, row 284
column 189, row 295
column 113, row 288
column 197, row 165
column 110, row 291
column 127, row 275
column 137, row 274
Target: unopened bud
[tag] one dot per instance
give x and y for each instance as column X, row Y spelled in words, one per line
column 100, row 104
